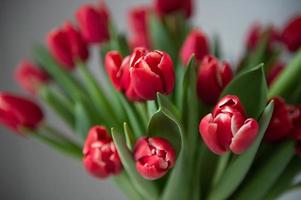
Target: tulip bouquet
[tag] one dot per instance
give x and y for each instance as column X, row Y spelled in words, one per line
column 168, row 119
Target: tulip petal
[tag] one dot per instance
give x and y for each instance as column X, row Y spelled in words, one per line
column 167, row 70
column 245, row 136
column 146, row 83
column 208, row 131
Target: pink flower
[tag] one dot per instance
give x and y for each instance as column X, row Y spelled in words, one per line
column 227, row 128
column 100, row 155
column 196, row 43
column 30, row 77
column 213, row 77
column 67, row 46
column 17, row 112
column 154, row 157
column 94, row 23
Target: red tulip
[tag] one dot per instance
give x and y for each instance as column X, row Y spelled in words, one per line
column 154, row 157
column 118, row 71
column 291, row 35
column 67, row 46
column 165, row 7
column 213, row 77
column 94, row 23
column 196, row 43
column 281, row 123
column 151, row 72
column 138, row 24
column 227, row 128
column 17, row 112
column 100, row 155
column 30, row 77
column 255, row 33
column 274, row 72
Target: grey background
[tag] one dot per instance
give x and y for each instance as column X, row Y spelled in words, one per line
column 31, row 171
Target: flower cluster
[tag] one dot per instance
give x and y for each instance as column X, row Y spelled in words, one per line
column 140, row 122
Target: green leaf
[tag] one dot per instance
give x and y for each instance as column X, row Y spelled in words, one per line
column 251, row 88
column 288, row 80
column 151, row 108
column 285, row 180
column 124, row 183
column 58, row 103
column 146, row 188
column 160, row 37
column 268, row 173
column 82, row 120
column 190, row 100
column 132, row 116
column 238, row 168
column 129, row 136
column 165, row 123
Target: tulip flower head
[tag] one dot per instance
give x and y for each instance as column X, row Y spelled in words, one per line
column 30, row 77
column 227, row 128
column 67, row 46
column 17, row 112
column 281, row 122
column 213, row 77
column 151, row 72
column 138, row 24
column 101, row 158
column 154, row 157
column 94, row 23
column 291, row 34
column 165, row 7
column 196, row 43
column 255, row 33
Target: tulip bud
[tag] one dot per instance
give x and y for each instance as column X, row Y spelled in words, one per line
column 151, row 72
column 94, row 23
column 101, row 158
column 227, row 128
column 213, row 77
column 17, row 112
column 67, row 46
column 274, row 72
column 30, row 77
column 154, row 157
column 196, row 43
column 291, row 34
column 138, row 24
column 165, row 7
column 281, row 123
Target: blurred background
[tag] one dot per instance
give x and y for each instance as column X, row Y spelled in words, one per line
column 30, row 170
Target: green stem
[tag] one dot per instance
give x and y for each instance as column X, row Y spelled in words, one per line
column 58, row 103
column 97, row 96
column 288, row 79
column 221, row 166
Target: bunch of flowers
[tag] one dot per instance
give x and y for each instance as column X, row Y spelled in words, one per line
column 169, row 119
